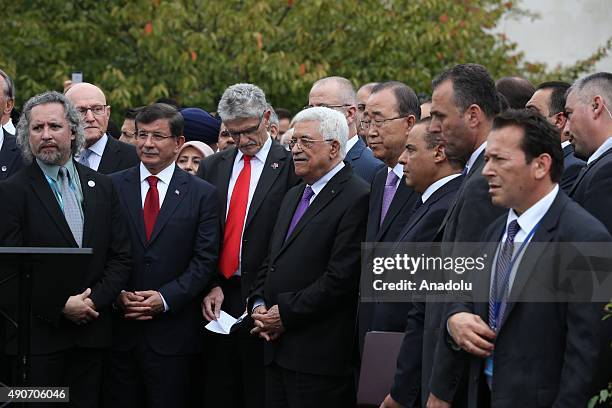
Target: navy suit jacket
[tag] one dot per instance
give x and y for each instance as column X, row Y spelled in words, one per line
column 10, row 157
column 364, row 164
column 117, row 156
column 178, row 261
column 546, row 354
column 571, row 167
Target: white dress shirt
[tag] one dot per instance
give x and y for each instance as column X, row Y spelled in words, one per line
column 474, row 156
column 257, row 165
column 1, row 137
column 97, row 149
column 9, row 127
column 351, row 142
column 565, row 144
column 605, row 146
column 163, row 182
column 436, row 185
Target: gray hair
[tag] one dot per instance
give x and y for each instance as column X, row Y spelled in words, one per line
column 9, row 87
column 72, row 116
column 273, row 116
column 346, row 94
column 589, row 86
column 332, row 124
column 242, row 101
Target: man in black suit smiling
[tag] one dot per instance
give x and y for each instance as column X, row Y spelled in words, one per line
column 305, row 299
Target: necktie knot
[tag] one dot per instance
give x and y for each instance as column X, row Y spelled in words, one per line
column 152, row 180
column 247, row 159
column 63, row 173
column 513, row 229
column 391, row 179
column 308, row 193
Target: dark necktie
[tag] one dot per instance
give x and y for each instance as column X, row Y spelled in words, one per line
column 234, row 223
column 151, row 206
column 300, row 210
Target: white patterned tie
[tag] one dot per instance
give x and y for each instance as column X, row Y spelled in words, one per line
column 71, row 206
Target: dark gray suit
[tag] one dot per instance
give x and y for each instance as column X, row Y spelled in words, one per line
column 117, row 156
column 571, row 167
column 10, row 157
column 364, row 164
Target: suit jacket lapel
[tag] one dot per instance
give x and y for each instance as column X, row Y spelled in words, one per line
column 131, row 193
column 284, row 219
column 45, row 194
column 226, row 166
column 177, row 190
column 585, row 170
column 8, row 154
column 88, row 187
column 355, row 151
column 272, row 168
column 110, row 156
column 402, row 194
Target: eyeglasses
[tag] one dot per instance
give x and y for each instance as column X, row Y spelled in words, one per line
column 306, row 143
column 377, row 123
column 235, row 134
column 97, row 110
column 324, row 105
column 157, row 137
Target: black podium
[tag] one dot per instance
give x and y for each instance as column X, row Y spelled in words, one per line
column 37, row 280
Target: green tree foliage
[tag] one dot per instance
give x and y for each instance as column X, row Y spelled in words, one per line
column 140, row 50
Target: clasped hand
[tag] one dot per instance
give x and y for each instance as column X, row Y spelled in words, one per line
column 140, row 305
column 268, row 323
column 80, row 309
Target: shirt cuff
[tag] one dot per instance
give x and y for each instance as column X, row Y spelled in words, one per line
column 258, row 302
column 166, row 307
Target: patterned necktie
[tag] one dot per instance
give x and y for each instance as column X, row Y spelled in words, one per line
column 300, row 210
column 234, row 224
column 151, row 206
column 71, row 206
column 390, row 187
column 84, row 157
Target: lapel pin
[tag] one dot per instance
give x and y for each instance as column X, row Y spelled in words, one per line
column 3, row 168
column 274, row 165
column 91, row 183
column 176, row 192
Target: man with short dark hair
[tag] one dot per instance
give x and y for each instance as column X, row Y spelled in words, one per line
column 100, row 152
column 549, row 101
column 284, row 119
column 523, row 350
column 56, row 202
column 172, row 219
column 304, row 302
column 251, row 181
column 516, row 91
column 339, row 93
column 128, row 128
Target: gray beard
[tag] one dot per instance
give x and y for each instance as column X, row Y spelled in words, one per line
column 54, row 158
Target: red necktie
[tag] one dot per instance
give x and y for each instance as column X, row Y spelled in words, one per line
column 228, row 261
column 151, row 206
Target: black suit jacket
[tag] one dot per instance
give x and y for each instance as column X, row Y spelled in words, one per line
column 117, row 156
column 31, row 216
column 10, row 157
column 364, row 164
column 411, row 383
column 313, row 277
column 571, row 167
column 178, row 261
column 277, row 177
column 546, row 354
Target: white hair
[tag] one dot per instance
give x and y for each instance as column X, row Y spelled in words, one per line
column 332, row 124
column 242, row 101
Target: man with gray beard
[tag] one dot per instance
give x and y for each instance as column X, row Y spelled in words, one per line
column 56, row 202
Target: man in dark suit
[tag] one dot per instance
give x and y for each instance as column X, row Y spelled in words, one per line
column 391, row 110
column 10, row 156
column 589, row 121
column 101, row 152
column 56, row 202
column 173, row 225
column 339, row 93
column 234, row 371
column 436, row 177
column 549, row 101
column 525, row 351
column 464, row 103
column 304, row 302
column 7, row 102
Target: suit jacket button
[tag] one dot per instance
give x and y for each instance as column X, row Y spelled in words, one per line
column 272, row 269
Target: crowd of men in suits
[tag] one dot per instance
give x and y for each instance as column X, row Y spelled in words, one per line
column 273, row 235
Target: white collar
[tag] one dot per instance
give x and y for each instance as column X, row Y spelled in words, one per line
column 605, row 146
column 436, row 185
column 565, row 144
column 262, row 154
column 10, row 127
column 351, row 142
column 165, row 175
column 474, row 156
column 529, row 219
column 398, row 170
column 318, row 185
column 99, row 146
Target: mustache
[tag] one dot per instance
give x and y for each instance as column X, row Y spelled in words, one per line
column 47, row 144
column 150, row 150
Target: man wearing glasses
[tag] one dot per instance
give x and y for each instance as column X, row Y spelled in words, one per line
column 391, row 111
column 252, row 176
column 339, row 94
column 101, row 152
column 172, row 222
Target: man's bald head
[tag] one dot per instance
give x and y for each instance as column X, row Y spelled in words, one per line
column 343, row 88
column 336, row 93
column 90, row 102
